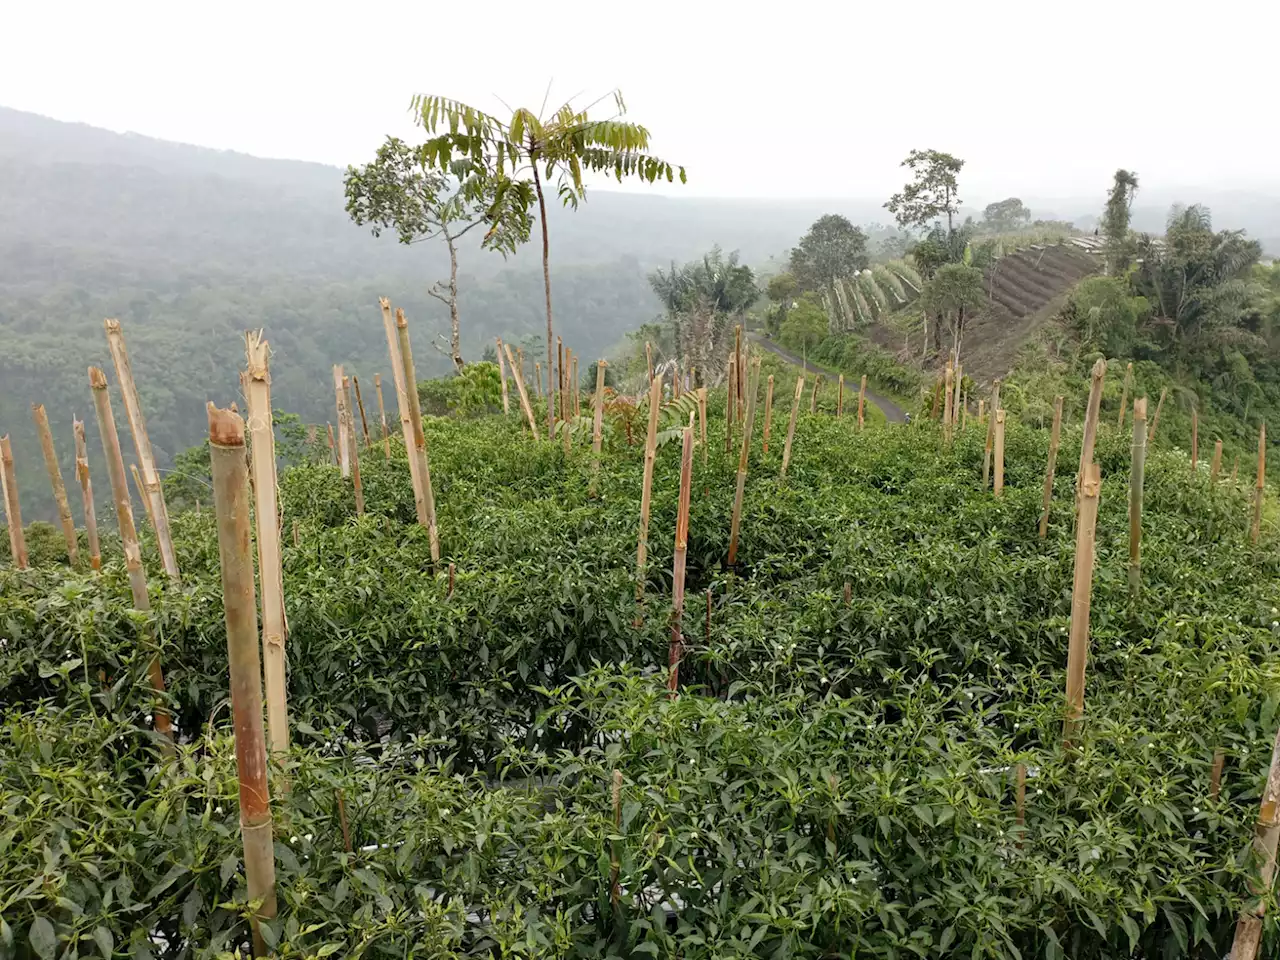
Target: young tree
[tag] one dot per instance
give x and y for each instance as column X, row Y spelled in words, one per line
column 805, row 325
column 952, row 295
column 1005, row 215
column 832, row 249
column 1115, row 221
column 781, row 291
column 402, row 190
column 932, row 193
column 530, row 151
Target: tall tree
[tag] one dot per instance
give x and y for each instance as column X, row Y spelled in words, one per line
column 401, row 190
column 1115, row 221
column 1005, row 215
column 932, row 192
column 832, row 250
column 953, row 294
column 532, row 150
column 703, row 299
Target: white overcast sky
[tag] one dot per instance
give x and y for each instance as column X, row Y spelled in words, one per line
column 792, row 99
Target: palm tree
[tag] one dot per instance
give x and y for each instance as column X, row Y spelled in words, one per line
column 531, row 150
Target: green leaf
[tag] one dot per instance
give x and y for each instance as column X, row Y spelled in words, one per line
column 43, row 940
column 105, row 940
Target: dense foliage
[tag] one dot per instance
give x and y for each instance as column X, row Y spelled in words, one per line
column 834, row 778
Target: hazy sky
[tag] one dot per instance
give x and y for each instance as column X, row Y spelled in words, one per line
column 779, row 99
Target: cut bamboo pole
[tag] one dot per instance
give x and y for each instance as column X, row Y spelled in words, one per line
column 1195, row 439
column 740, row 367
column 735, row 524
column 1155, row 421
column 964, row 411
column 768, row 411
column 999, row 453
column 231, row 504
column 648, row 359
column 731, row 414
column 862, row 402
column 560, row 380
column 1090, row 439
column 142, row 445
column 364, row 421
column 55, row 481
column 128, row 533
column 402, row 403
column 1259, row 485
column 142, row 494
column 12, row 509
column 1081, row 598
column 353, row 449
column 340, row 405
column 1215, row 773
column 537, row 369
column 1137, row 475
column 86, row 494
column 840, row 397
column 948, row 384
column 1215, row 466
column 524, row 398
column 646, row 490
column 955, row 397
column 502, row 372
column 597, row 425
column 991, row 434
column 266, row 513
column 577, row 392
column 333, row 449
column 1020, row 800
column 1266, row 834
column 813, row 399
column 982, row 411
column 676, row 651
column 382, row 414
column 791, row 426
column 419, row 438
column 1054, row 437
column 1124, row 395
column 702, row 421
column 934, row 410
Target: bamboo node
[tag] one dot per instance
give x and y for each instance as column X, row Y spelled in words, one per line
column 226, row 429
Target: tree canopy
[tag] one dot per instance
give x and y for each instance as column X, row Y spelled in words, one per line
column 832, row 249
column 1004, row 216
column 932, row 192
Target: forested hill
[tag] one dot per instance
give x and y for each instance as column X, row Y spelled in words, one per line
column 189, row 247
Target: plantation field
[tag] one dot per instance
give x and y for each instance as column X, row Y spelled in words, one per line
column 496, row 768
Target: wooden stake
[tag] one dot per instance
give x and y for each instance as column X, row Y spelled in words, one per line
column 342, row 821
column 561, row 380
column 955, row 393
column 128, row 533
column 1054, row 437
column 1081, row 598
column 364, row 421
column 502, row 371
column 340, row 405
column 862, row 402
column 452, row 574
column 382, row 414
column 12, row 509
column 964, row 411
column 840, row 397
column 991, row 434
column 1155, row 421
column 736, row 522
column 524, row 397
column 648, row 359
column 353, row 449
column 142, row 445
column 142, row 494
column 1215, row 774
column 676, row 651
column 1090, row 438
column 1195, row 439
column 937, row 399
column 266, row 511
column 86, row 494
column 813, row 398
column 1020, row 800
column 55, row 481
column 419, row 438
column 1215, row 467
column 1124, row 395
column 982, row 411
column 537, row 369
column 597, row 425
column 402, row 402
column 999, row 453
column 948, row 409
column 791, row 426
column 231, row 504
column 739, row 369
column 768, row 411
column 1266, row 833
column 1137, row 471
column 1259, row 484
column 702, row 421
column 577, row 393
column 731, row 415
column 646, row 490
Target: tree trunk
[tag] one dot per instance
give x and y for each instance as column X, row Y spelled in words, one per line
column 455, row 336
column 546, row 283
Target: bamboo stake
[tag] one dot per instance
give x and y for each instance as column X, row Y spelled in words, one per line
column 1054, row 437
column 739, row 368
column 537, row 369
column 1259, row 484
column 1215, row 466
column 1266, row 833
column 736, row 522
column 1137, row 470
column 402, row 402
column 524, row 398
column 676, row 382
column 1090, row 438
column 648, row 359
column 502, row 372
column 813, row 398
column 55, row 481
column 560, row 380
column 991, row 434
column 676, row 651
column 948, row 383
column 982, row 411
column 964, row 410
column 999, row 453
column 597, row 425
column 1195, row 439
column 702, row 421
column 1081, row 597
column 768, row 410
column 266, row 511
column 231, row 504
column 382, row 414
column 419, row 438
column 342, row 821
column 128, row 533
column 142, row 494
column 955, row 399
column 615, row 858
column 452, row 574
column 1124, row 395
column 1215, row 774
column 354, row 449
column 791, row 426
column 840, row 398
column 937, row 399
column 1155, row 421
column 731, row 415
column 646, row 490
column 12, row 509
column 340, row 405
column 862, row 401
column 364, row 422
column 86, row 494
column 577, row 392
column 333, row 450
column 142, row 445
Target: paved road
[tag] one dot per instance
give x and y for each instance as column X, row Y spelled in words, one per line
column 892, row 412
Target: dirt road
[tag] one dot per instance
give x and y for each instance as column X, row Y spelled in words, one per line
column 892, row 412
